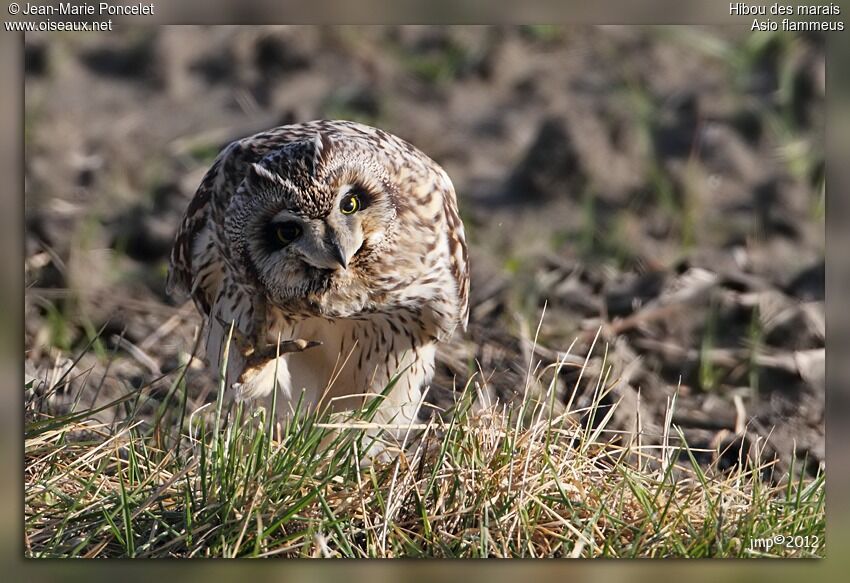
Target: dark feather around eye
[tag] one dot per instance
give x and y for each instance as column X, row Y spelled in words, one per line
column 364, row 196
column 284, row 233
column 350, row 204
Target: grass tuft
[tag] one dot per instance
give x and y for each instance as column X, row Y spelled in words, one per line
column 484, row 481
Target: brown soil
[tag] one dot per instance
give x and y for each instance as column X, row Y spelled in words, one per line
column 664, row 185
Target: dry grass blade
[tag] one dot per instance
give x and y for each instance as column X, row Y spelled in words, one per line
column 530, row 481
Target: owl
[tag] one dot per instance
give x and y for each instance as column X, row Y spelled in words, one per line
column 328, row 259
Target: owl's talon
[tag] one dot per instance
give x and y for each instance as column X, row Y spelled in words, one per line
column 284, row 347
column 259, row 357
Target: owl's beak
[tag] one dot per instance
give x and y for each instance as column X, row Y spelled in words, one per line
column 336, row 252
column 326, row 249
column 335, row 248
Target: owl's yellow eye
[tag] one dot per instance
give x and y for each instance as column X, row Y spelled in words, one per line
column 350, row 205
column 287, row 232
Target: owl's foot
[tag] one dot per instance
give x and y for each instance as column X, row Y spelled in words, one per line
column 250, row 348
column 258, row 378
column 257, row 358
column 266, row 353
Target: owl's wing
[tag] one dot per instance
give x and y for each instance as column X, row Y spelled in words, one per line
column 458, row 254
column 200, row 265
column 194, row 245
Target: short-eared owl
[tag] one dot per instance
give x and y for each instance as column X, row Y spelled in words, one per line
column 334, row 233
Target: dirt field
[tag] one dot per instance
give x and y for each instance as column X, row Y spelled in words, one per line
column 662, row 185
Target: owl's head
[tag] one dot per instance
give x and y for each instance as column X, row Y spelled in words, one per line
column 308, row 217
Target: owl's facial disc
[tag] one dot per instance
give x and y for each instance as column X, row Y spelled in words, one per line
column 307, row 255
column 327, row 243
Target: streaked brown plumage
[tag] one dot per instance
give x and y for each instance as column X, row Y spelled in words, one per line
column 328, row 231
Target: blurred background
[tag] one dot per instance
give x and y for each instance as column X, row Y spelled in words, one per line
column 658, row 192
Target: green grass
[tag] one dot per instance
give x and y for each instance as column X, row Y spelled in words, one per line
column 487, row 482
column 435, row 67
column 544, row 33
